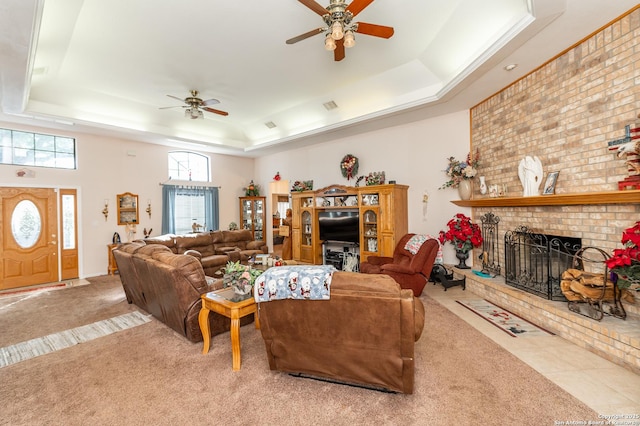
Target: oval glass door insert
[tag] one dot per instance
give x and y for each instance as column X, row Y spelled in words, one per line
column 26, row 224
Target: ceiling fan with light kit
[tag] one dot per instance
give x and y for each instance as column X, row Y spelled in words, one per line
column 340, row 28
column 195, row 105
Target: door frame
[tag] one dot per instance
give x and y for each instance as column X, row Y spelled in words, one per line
column 80, row 244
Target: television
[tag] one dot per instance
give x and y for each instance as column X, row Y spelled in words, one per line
column 339, row 225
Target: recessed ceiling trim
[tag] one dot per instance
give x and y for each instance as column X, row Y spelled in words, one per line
column 23, row 25
column 344, row 123
column 486, row 54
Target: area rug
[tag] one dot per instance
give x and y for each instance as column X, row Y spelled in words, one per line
column 503, row 319
column 67, row 338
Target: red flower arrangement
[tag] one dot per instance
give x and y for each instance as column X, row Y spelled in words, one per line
column 462, row 233
column 625, row 263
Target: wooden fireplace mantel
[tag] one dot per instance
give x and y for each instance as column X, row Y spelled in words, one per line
column 587, row 198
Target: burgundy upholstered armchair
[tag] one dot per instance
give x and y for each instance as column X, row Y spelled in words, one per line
column 410, row 270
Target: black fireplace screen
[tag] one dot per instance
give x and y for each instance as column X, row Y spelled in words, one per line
column 535, row 262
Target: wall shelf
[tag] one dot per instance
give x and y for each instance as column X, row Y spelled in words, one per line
column 588, row 198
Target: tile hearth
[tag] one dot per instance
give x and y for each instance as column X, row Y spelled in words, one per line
column 611, row 338
column 601, row 384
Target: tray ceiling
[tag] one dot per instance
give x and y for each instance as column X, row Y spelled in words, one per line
column 108, row 66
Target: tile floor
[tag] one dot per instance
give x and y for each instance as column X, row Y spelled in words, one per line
column 604, row 386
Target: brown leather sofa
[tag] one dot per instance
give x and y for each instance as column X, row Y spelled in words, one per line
column 168, row 286
column 214, row 248
column 363, row 335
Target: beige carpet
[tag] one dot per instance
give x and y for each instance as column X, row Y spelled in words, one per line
column 150, row 375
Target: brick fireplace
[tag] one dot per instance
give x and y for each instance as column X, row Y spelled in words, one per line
column 565, row 112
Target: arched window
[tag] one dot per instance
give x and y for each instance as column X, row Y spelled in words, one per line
column 189, row 208
column 184, row 165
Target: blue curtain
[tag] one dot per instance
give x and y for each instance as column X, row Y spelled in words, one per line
column 211, row 206
column 168, row 209
column 211, row 214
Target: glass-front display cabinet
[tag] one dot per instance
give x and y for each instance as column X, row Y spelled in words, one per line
column 369, row 231
column 253, row 216
column 127, row 208
column 306, row 228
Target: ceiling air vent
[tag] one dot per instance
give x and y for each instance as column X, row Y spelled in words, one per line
column 330, row 105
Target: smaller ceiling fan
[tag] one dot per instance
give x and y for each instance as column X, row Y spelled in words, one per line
column 195, row 105
column 340, row 28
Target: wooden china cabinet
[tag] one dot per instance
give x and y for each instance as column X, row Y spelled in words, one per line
column 253, row 216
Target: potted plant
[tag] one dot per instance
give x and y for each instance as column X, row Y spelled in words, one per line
column 240, row 277
column 625, row 262
column 252, row 190
column 464, row 235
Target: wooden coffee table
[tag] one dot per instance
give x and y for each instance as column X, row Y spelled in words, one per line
column 233, row 306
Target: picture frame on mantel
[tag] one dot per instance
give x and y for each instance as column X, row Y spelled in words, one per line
column 550, row 183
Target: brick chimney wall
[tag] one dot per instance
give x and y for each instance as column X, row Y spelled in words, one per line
column 565, row 113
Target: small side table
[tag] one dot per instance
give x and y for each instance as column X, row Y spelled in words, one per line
column 233, row 306
column 113, row 266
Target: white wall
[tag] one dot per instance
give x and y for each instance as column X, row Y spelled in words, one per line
column 414, row 154
column 108, row 166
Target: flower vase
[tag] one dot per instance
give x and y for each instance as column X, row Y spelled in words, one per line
column 242, row 288
column 462, row 257
column 464, row 189
column 483, row 185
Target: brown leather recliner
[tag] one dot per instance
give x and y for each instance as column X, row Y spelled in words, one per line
column 363, row 335
column 410, row 271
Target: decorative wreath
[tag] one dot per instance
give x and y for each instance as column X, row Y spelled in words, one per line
column 349, row 166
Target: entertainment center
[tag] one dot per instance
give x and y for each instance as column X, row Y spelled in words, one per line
column 333, row 224
column 344, row 256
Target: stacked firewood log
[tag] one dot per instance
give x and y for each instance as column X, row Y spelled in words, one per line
column 578, row 285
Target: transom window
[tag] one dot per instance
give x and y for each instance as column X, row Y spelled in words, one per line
column 35, row 149
column 184, row 165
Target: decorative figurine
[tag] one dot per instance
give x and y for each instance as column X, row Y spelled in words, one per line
column 530, row 173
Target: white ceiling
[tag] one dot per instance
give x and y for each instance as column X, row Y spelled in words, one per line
column 108, row 66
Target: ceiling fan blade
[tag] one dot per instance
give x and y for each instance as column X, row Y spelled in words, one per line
column 305, row 35
column 374, row 30
column 356, row 6
column 175, row 106
column 317, row 8
column 210, row 102
column 338, row 53
column 176, row 98
column 215, row 111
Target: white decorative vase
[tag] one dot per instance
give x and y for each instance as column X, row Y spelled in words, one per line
column 483, row 185
column 464, row 189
